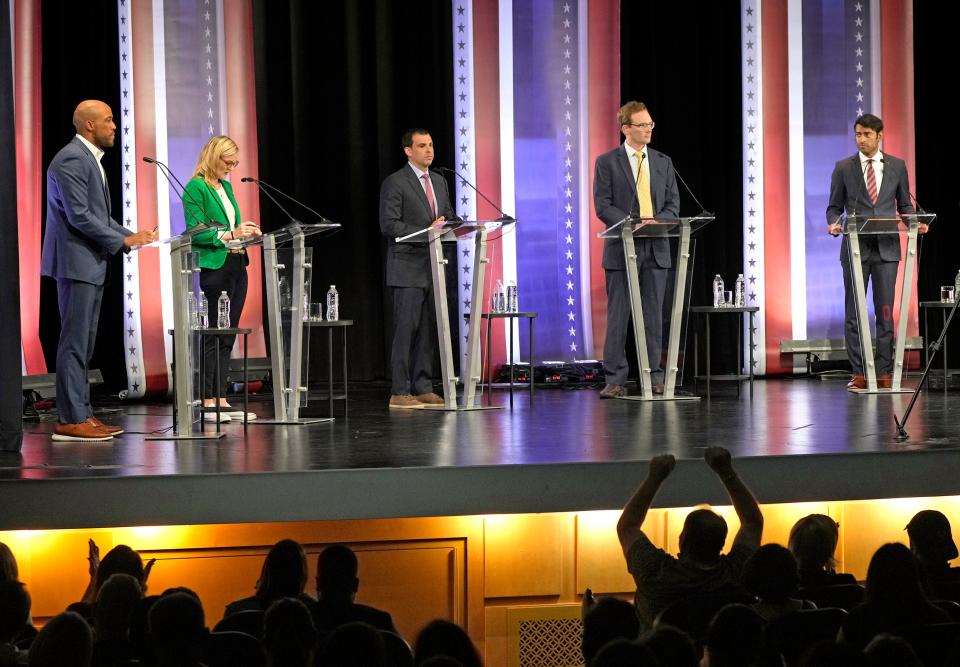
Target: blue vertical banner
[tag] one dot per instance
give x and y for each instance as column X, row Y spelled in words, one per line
column 547, row 149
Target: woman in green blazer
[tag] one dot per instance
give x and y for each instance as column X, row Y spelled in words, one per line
column 209, row 196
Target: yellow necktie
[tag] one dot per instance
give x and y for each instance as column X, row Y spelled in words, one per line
column 643, row 189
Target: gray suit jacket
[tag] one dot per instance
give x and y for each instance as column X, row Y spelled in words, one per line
column 404, row 209
column 848, row 192
column 615, row 197
column 80, row 234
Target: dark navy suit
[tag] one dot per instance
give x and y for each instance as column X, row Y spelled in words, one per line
column 879, row 254
column 614, row 198
column 80, row 236
column 404, row 209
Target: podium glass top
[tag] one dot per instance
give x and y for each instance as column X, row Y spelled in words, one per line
column 656, row 227
column 885, row 225
column 187, row 234
column 455, row 230
column 285, row 234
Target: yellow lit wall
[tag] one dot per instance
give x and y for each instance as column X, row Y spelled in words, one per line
column 476, row 571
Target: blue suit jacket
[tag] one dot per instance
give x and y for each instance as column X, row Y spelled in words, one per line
column 80, row 234
column 848, row 192
column 615, row 197
column 404, row 209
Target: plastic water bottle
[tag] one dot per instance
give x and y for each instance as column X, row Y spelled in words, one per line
column 717, row 291
column 499, row 298
column 223, row 311
column 333, row 304
column 192, row 311
column 512, row 297
column 203, row 310
column 306, row 300
column 283, row 289
column 956, row 287
column 739, row 294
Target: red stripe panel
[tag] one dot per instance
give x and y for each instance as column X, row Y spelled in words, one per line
column 603, row 93
column 776, row 181
column 896, row 73
column 486, row 86
column 27, row 127
column 242, row 124
column 151, row 306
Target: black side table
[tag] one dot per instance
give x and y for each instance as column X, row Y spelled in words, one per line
column 513, row 317
column 944, row 308
column 331, row 326
column 707, row 311
column 218, row 334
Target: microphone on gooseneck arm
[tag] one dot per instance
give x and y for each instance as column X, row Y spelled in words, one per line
column 183, row 192
column 264, row 187
column 503, row 216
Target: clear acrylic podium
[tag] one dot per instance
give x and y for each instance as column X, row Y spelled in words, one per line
column 435, row 237
column 853, row 228
column 187, row 410
column 653, row 228
column 285, row 256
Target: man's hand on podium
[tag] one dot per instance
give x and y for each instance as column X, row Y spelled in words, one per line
column 439, row 222
column 138, row 239
column 836, row 229
column 923, row 228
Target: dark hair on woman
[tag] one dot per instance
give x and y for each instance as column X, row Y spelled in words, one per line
column 441, row 637
column 771, row 573
column 284, row 573
column 893, row 578
column 8, row 564
column 813, row 541
column 66, row 641
column 119, row 560
column 289, row 635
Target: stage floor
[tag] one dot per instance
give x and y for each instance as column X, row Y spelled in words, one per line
column 566, row 450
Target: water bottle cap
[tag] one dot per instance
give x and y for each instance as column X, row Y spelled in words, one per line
column 223, row 292
column 333, row 287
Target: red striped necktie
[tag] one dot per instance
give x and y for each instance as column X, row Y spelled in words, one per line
column 428, row 187
column 871, row 182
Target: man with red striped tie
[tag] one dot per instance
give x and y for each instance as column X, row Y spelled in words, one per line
column 870, row 184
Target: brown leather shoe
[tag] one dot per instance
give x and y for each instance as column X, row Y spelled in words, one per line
column 404, row 401
column 857, row 382
column 82, row 432
column 106, row 428
column 429, row 399
column 658, row 390
column 613, row 391
column 885, row 381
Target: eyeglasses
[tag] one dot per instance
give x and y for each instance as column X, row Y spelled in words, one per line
column 643, row 126
column 230, row 163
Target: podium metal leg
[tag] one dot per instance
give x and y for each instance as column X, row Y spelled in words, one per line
column 863, row 320
column 473, row 369
column 906, row 293
column 639, row 330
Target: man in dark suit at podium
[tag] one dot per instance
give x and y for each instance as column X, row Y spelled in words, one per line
column 79, row 239
column 411, row 199
column 870, row 184
column 634, row 179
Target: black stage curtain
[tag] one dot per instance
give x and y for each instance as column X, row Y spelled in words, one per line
column 337, row 85
column 11, row 400
column 686, row 69
column 338, row 82
column 81, row 60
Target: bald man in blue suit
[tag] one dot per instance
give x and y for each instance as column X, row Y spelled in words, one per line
column 79, row 239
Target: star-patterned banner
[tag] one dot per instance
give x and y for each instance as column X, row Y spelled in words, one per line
column 186, row 74
column 524, row 124
column 809, row 68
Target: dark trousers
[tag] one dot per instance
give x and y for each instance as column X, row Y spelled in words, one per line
column 232, row 279
column 653, row 283
column 79, row 314
column 884, row 276
column 414, row 341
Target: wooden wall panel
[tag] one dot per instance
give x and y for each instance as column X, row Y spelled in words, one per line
column 600, row 562
column 523, row 554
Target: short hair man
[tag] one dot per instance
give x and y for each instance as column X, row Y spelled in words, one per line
column 870, row 184
column 662, row 579
column 634, row 179
column 411, row 199
column 337, row 584
column 80, row 237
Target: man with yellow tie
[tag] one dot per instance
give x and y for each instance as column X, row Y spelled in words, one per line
column 634, row 179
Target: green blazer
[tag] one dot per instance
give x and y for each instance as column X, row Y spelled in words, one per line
column 202, row 203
